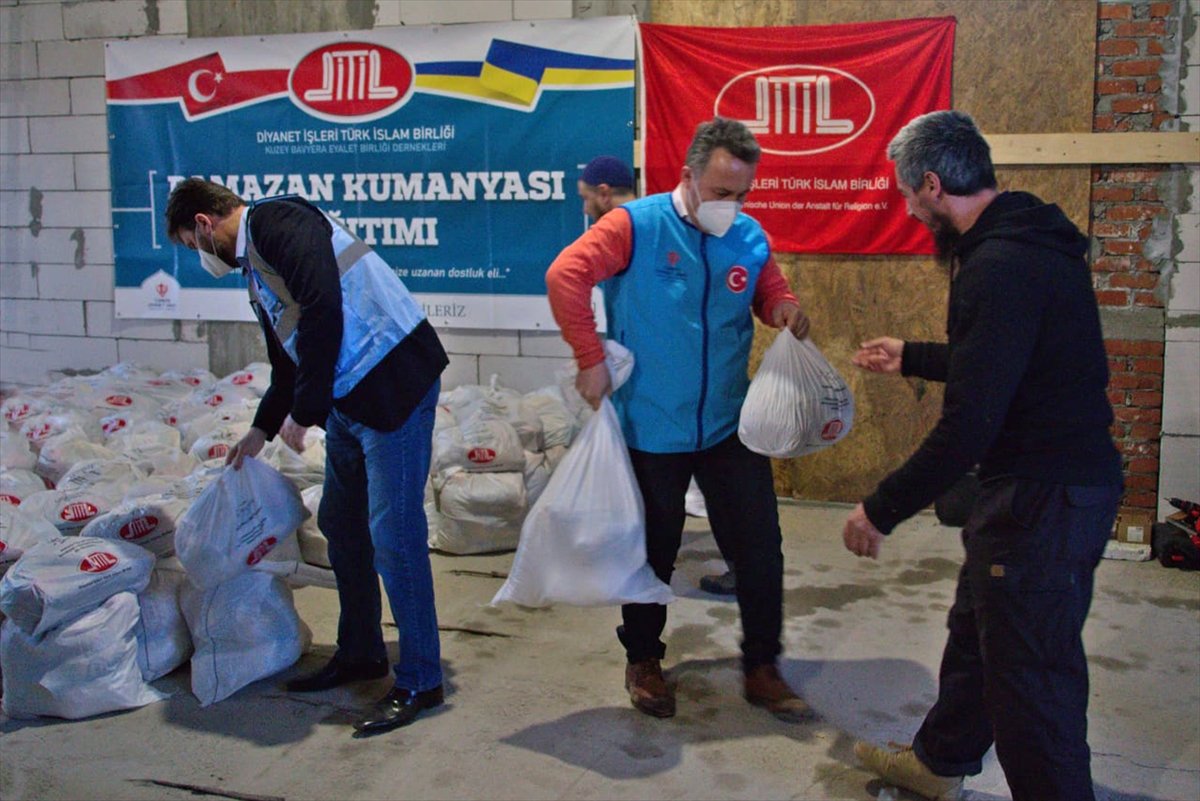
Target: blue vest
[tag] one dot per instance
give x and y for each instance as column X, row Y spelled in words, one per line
column 377, row 309
column 683, row 306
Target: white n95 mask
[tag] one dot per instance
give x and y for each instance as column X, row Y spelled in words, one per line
column 717, row 216
column 212, row 264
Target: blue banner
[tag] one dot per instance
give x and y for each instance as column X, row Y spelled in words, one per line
column 453, row 151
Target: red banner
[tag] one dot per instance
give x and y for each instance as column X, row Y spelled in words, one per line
column 823, row 102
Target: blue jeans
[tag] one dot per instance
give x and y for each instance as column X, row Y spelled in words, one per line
column 373, row 514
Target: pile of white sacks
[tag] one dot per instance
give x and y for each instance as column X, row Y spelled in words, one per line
column 97, row 474
column 493, row 452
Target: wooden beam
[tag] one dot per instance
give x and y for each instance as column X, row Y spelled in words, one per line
column 1095, row 148
column 1081, row 148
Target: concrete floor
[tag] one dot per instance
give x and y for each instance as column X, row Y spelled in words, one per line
column 538, row 711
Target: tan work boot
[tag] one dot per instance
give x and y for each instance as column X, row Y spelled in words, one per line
column 766, row 688
column 898, row 765
column 648, row 689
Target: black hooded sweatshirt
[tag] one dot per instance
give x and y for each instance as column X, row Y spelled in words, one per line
column 1025, row 367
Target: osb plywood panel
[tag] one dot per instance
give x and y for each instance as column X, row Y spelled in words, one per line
column 1020, row 66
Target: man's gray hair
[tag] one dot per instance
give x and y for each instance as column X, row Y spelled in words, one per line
column 948, row 144
column 721, row 132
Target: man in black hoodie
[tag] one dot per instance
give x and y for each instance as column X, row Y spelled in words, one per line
column 1026, row 376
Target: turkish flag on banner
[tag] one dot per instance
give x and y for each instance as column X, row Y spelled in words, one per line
column 823, row 102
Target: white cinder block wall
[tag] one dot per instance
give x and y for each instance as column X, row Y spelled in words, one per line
column 56, row 250
column 1179, row 461
column 56, row 247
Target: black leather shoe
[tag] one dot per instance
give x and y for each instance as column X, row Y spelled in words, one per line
column 336, row 673
column 399, row 707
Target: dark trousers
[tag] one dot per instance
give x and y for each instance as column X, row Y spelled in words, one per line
column 739, row 492
column 1014, row 671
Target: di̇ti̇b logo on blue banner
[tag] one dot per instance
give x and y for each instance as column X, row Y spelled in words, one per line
column 453, row 151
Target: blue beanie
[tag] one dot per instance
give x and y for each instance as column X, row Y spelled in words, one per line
column 607, row 170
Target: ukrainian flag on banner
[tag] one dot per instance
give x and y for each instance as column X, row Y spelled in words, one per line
column 515, row 73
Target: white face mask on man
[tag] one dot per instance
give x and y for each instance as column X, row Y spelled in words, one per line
column 716, row 216
column 213, row 264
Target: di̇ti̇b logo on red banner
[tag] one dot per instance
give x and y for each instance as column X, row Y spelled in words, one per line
column 823, row 102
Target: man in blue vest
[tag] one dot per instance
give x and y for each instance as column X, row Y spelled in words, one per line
column 683, row 273
column 350, row 351
column 606, row 183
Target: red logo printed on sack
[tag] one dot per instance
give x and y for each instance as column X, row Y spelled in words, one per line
column 119, row 400
column 17, row 412
column 215, row 400
column 219, row 449
column 481, row 455
column 171, row 420
column 672, row 258
column 798, row 109
column 3, row 546
column 138, row 527
column 737, row 278
column 261, row 550
column 831, row 430
column 78, row 511
column 192, row 381
column 97, row 562
column 39, row 433
column 113, row 424
column 157, row 382
column 11, row 500
column 351, row 81
column 241, row 379
column 161, row 289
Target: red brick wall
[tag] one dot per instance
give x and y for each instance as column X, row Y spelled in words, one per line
column 1131, row 40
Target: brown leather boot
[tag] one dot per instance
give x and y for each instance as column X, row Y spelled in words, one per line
column 648, row 689
column 766, row 688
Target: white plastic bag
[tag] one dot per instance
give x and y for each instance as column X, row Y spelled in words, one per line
column 797, row 403
column 16, row 485
column 584, row 541
column 87, row 667
column 480, row 512
column 71, row 510
column 236, row 521
column 163, row 640
column 693, row 502
column 491, row 446
column 60, row 579
column 20, row 531
column 15, row 453
column 243, row 630
column 149, row 521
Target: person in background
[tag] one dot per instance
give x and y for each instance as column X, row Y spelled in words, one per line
column 1026, row 376
column 608, row 182
column 605, row 183
column 682, row 274
column 312, row 285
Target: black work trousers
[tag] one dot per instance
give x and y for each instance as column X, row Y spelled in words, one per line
column 739, row 493
column 1014, row 670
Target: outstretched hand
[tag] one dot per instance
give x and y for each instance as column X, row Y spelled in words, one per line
column 880, row 355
